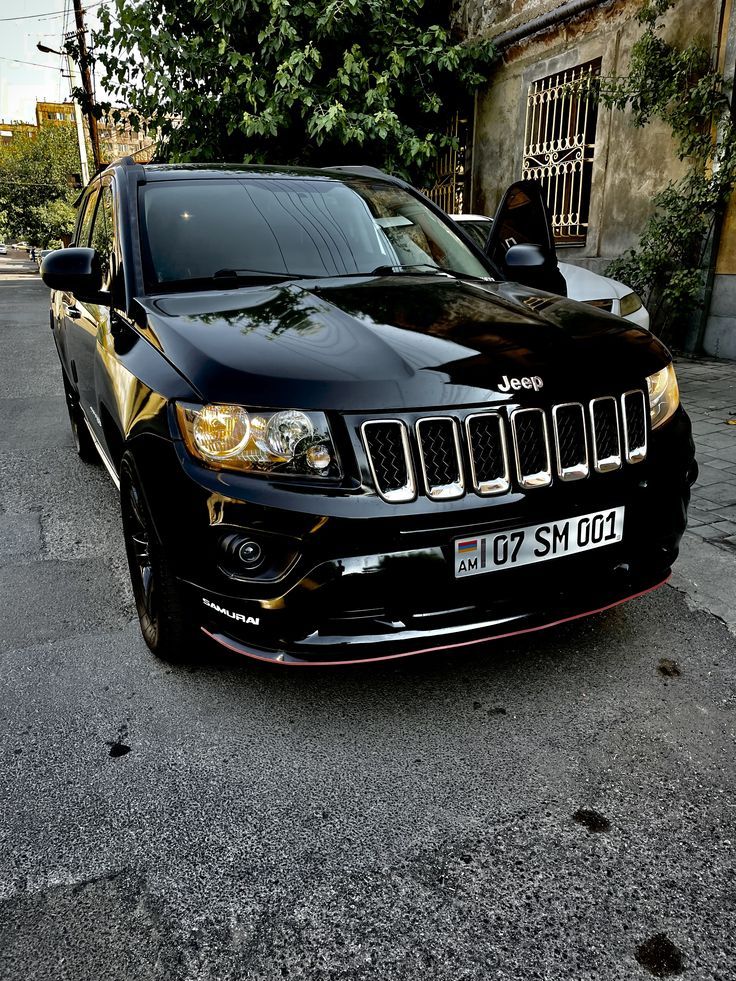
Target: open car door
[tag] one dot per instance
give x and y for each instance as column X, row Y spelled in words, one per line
column 521, row 244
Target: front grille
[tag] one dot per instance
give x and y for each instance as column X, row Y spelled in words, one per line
column 529, row 448
column 570, row 441
column 387, row 447
column 489, row 461
column 606, row 438
column 439, row 452
column 634, row 411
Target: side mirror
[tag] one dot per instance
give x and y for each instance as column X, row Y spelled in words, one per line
column 525, row 257
column 76, row 271
column 521, row 244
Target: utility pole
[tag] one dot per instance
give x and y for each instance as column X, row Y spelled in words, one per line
column 87, row 82
column 80, row 129
column 83, row 165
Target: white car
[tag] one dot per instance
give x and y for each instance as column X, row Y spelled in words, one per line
column 3, row 249
column 582, row 284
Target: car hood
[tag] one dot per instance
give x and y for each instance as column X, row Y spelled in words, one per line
column 583, row 284
column 383, row 343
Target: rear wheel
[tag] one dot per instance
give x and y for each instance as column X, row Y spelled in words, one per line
column 83, row 443
column 166, row 628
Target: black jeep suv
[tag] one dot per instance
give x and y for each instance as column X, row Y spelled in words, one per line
column 341, row 431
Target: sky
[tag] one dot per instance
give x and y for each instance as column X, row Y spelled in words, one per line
column 22, row 84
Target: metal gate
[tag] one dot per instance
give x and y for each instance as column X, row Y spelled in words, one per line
column 451, row 173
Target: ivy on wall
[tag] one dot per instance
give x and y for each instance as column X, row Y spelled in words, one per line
column 679, row 86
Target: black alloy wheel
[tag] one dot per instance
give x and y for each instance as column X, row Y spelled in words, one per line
column 163, row 619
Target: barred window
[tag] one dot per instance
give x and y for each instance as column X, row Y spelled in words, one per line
column 559, row 143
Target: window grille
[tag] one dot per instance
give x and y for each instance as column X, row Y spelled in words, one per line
column 559, row 143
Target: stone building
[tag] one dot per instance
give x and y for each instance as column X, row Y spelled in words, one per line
column 9, row 131
column 54, row 114
column 600, row 172
column 118, row 138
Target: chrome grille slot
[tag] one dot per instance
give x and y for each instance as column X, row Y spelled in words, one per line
column 489, row 460
column 389, row 458
column 634, row 413
column 571, row 446
column 439, row 452
column 606, row 436
column 531, row 448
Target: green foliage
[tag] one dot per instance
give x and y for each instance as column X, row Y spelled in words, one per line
column 56, row 219
column 680, row 87
column 38, row 178
column 292, row 81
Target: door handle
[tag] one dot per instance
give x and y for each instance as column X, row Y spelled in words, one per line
column 72, row 311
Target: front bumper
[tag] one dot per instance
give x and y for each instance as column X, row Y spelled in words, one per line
column 359, row 579
column 382, row 639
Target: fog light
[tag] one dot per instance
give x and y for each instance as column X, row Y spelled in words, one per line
column 250, row 553
column 318, row 457
column 241, row 555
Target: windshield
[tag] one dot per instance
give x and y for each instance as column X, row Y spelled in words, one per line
column 194, row 230
column 478, row 229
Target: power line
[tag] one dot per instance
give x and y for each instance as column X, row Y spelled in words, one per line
column 47, row 16
column 36, row 64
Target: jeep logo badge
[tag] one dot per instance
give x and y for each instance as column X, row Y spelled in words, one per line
column 514, row 384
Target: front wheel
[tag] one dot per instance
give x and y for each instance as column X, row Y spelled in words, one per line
column 166, row 628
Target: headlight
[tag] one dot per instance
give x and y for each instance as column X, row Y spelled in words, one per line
column 288, row 441
column 629, row 304
column 664, row 395
column 221, row 431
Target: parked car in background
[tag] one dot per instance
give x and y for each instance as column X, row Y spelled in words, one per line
column 3, row 249
column 340, row 431
column 41, row 255
column 582, row 284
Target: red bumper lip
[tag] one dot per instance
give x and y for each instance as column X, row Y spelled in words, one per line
column 291, row 661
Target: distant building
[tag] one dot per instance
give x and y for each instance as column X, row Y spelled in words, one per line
column 54, row 114
column 8, row 131
column 120, row 139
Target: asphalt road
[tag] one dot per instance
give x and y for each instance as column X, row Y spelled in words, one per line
column 413, row 820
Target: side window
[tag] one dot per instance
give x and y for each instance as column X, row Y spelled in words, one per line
column 102, row 234
column 82, row 239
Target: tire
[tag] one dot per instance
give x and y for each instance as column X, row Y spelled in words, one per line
column 166, row 627
column 83, row 444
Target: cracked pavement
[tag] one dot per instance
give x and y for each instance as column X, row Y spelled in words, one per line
column 559, row 807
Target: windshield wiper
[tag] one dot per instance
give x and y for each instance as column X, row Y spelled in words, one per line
column 427, row 269
column 418, row 268
column 413, row 268
column 223, row 278
column 246, row 274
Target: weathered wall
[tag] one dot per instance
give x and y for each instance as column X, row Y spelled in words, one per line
column 720, row 332
column 630, row 164
column 492, row 17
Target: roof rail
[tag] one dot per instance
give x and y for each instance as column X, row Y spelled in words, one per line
column 363, row 170
column 129, row 160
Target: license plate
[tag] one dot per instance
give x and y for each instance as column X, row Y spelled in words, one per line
column 538, row 543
